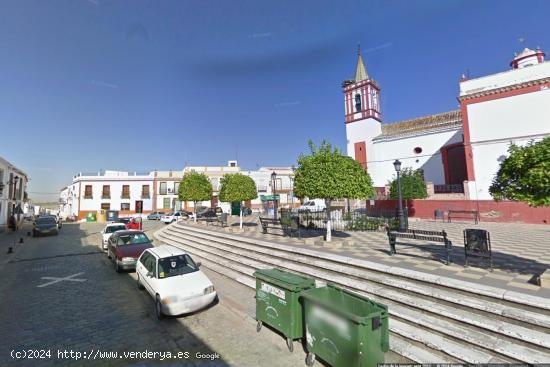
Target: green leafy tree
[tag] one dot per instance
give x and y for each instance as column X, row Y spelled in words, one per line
column 328, row 174
column 195, row 187
column 237, row 187
column 525, row 174
column 412, row 185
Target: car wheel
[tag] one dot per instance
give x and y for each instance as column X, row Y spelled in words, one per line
column 158, row 308
column 117, row 267
column 139, row 285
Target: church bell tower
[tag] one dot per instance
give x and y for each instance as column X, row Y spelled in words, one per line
column 362, row 113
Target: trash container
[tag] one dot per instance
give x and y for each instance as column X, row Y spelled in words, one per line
column 343, row 328
column 91, row 217
column 112, row 215
column 277, row 302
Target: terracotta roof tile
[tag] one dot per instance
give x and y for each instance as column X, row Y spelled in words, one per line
column 445, row 120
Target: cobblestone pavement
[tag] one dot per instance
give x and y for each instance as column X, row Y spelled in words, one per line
column 106, row 312
column 521, row 252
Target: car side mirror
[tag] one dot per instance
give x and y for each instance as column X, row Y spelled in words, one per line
column 149, row 274
column 199, row 264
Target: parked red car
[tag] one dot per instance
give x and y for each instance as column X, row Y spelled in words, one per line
column 134, row 223
column 125, row 247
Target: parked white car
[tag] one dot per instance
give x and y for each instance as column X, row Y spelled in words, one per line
column 172, row 217
column 174, row 281
column 109, row 230
column 313, row 205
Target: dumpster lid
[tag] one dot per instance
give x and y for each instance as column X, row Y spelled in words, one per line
column 285, row 279
column 348, row 304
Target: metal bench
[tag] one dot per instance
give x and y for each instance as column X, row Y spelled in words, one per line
column 420, row 235
column 468, row 214
column 268, row 223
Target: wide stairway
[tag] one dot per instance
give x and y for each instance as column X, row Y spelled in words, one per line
column 432, row 318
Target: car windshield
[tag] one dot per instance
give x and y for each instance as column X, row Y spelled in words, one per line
column 134, row 238
column 112, row 229
column 45, row 220
column 176, row 265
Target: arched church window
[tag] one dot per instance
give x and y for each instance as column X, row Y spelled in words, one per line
column 357, row 102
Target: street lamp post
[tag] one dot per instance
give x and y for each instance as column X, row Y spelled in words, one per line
column 274, row 193
column 400, row 214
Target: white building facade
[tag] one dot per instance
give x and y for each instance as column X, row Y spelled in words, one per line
column 460, row 150
column 165, row 188
column 127, row 193
column 13, row 187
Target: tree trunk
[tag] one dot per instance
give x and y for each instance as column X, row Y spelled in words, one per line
column 195, row 210
column 241, row 217
column 329, row 221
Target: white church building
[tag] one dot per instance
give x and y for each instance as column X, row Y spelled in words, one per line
column 460, row 150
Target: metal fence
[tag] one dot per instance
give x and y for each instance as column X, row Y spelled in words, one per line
column 359, row 219
column 449, row 189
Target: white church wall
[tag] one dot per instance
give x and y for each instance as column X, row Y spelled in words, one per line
column 487, row 158
column 518, row 116
column 495, row 124
column 386, row 152
column 362, row 130
column 507, row 78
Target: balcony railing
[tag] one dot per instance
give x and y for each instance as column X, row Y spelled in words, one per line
column 106, row 196
column 145, row 196
column 90, row 196
column 125, row 196
column 449, row 189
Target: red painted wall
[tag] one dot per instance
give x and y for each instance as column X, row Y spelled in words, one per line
column 361, row 153
column 489, row 210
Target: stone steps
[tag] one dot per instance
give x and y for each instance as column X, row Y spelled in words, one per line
column 424, row 314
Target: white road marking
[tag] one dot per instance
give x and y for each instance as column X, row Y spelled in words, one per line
column 57, row 280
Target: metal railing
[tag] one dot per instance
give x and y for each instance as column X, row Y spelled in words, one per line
column 449, row 189
column 359, row 219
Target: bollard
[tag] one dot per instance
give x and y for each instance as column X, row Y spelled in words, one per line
column 21, row 240
column 28, row 234
column 10, row 250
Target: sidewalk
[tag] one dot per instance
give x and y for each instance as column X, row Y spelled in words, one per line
column 11, row 239
column 521, row 252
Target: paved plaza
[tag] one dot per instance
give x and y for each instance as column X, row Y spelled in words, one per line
column 521, row 252
column 61, row 293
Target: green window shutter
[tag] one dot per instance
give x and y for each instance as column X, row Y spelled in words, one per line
column 166, row 203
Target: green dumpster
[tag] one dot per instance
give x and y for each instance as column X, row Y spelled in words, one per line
column 91, row 217
column 343, row 328
column 278, row 304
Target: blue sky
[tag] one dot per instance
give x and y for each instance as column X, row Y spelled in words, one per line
column 142, row 85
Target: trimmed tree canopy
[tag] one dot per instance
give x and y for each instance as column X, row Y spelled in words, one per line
column 328, row 174
column 195, row 187
column 412, row 185
column 237, row 187
column 525, row 174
